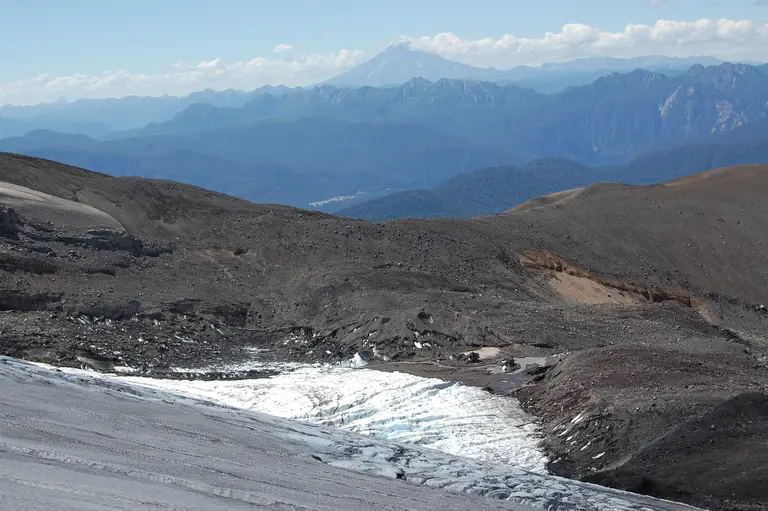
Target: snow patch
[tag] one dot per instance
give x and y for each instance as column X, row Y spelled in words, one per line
column 125, row 369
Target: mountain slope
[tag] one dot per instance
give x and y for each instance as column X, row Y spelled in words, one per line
column 641, row 111
column 652, row 292
column 480, row 192
column 495, row 190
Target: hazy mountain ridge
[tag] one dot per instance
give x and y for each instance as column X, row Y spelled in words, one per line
column 261, row 161
column 314, row 144
column 624, row 115
column 446, row 105
column 119, row 114
column 611, row 120
column 495, row 190
column 19, row 127
column 392, row 67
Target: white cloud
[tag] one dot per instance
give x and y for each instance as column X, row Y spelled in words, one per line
column 726, row 39
column 181, row 79
column 282, row 47
column 656, row 3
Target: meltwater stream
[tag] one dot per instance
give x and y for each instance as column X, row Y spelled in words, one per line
column 449, row 417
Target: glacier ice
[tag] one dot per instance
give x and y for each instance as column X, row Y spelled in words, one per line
column 114, row 439
column 446, row 416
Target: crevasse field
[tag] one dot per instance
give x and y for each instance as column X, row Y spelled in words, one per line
column 446, row 416
column 74, row 439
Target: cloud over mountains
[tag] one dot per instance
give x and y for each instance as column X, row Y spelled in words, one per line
column 724, row 38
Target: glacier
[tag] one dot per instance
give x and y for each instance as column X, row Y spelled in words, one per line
column 446, row 416
column 75, row 439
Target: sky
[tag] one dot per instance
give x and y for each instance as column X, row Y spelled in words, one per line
column 54, row 49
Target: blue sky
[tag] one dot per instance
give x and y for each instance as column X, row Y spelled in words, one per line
column 88, row 38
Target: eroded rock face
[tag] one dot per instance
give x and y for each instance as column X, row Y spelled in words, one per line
column 9, row 222
column 108, row 239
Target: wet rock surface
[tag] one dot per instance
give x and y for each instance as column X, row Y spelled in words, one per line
column 157, row 277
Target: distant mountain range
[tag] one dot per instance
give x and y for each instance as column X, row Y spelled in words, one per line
column 290, row 162
column 19, row 127
column 95, row 117
column 498, row 189
column 446, row 105
column 617, row 117
column 392, row 67
column 307, row 146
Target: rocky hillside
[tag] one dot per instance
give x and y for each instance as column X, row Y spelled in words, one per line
column 651, row 298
